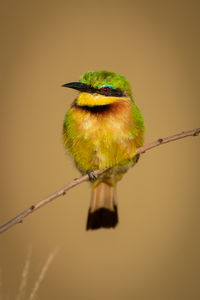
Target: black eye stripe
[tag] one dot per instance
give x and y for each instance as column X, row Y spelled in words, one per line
column 108, row 92
column 112, row 92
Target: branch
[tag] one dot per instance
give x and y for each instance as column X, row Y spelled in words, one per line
column 62, row 191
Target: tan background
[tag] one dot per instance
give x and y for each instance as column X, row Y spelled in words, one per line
column 154, row 252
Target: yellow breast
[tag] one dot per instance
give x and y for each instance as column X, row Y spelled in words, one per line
column 102, row 138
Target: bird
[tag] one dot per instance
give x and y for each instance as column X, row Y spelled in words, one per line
column 103, row 128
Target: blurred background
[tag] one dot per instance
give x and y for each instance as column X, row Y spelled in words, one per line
column 154, row 252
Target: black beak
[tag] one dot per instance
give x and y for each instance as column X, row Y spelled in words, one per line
column 77, row 86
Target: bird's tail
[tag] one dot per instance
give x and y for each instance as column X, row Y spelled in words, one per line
column 103, row 207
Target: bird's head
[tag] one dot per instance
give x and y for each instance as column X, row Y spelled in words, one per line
column 101, row 88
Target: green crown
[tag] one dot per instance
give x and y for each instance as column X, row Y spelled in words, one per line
column 106, row 78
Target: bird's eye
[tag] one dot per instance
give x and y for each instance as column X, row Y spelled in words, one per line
column 105, row 89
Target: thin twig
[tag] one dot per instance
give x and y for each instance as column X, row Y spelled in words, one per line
column 62, row 191
column 24, row 279
column 42, row 274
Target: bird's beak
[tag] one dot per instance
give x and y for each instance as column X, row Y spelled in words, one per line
column 77, row 86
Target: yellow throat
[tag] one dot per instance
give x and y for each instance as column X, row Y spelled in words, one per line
column 87, row 99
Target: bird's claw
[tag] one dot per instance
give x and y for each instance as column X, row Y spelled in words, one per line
column 92, row 176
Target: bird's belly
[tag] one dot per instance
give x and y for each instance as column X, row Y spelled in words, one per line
column 102, row 138
column 97, row 148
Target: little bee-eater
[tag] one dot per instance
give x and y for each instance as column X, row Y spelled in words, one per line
column 103, row 128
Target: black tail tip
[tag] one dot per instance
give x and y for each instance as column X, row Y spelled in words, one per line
column 102, row 218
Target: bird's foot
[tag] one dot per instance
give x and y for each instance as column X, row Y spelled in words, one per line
column 92, row 176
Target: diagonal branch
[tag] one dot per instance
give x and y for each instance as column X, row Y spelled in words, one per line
column 62, row 191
